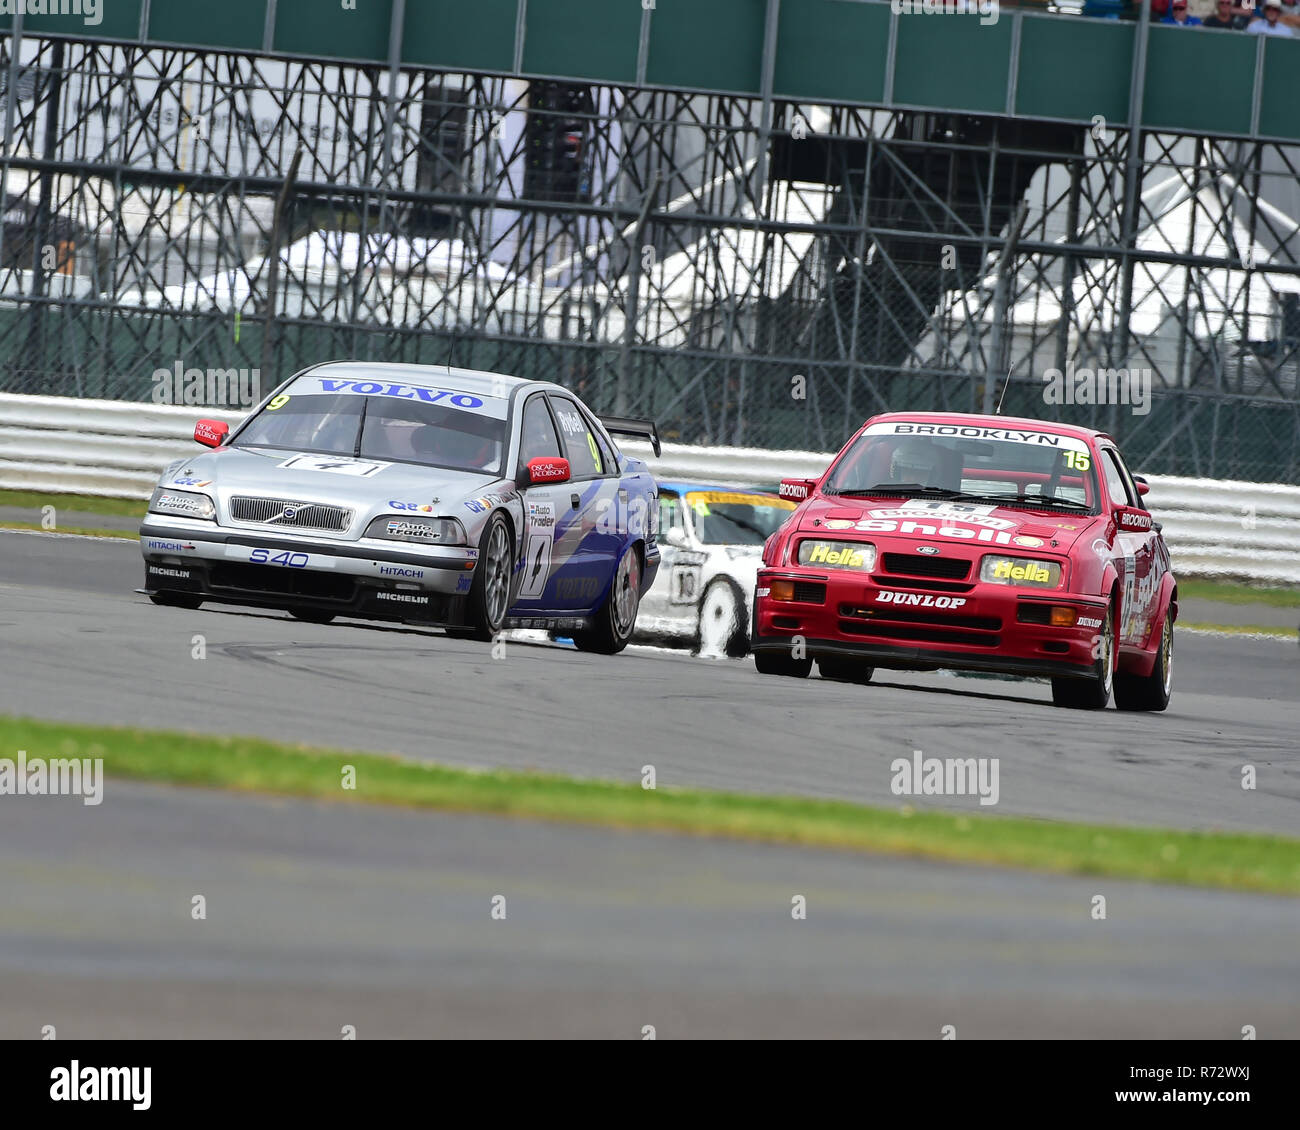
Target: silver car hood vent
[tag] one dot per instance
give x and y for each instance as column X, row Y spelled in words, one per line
column 284, row 512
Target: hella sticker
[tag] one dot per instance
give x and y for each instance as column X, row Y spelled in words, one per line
column 844, row 555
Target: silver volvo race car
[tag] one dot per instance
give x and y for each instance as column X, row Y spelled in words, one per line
column 469, row 500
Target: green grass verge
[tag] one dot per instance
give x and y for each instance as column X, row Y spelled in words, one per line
column 83, row 531
column 1230, row 592
column 1242, row 629
column 1213, row 859
column 78, row 503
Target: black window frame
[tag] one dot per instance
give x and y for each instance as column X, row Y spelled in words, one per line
column 608, row 452
column 566, row 398
column 1130, row 481
column 1130, row 489
column 521, row 467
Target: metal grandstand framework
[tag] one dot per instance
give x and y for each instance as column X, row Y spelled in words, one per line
column 748, row 269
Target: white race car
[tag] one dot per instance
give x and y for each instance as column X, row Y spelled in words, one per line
column 711, row 544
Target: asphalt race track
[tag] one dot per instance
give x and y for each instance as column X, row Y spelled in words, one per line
column 322, row 916
column 81, row 645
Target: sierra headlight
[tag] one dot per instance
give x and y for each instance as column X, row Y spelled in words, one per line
column 183, row 504
column 426, row 531
column 822, row 554
column 1025, row 571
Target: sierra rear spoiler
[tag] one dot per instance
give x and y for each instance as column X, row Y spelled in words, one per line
column 625, row 426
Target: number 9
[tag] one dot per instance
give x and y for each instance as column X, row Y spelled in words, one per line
column 279, row 402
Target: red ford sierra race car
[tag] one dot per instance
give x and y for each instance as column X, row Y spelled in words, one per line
column 979, row 543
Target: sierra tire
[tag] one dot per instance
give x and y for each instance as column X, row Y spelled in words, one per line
column 844, row 670
column 1150, row 692
column 1093, row 693
column 782, row 663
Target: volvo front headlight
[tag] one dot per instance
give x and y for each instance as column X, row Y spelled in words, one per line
column 183, row 504
column 426, row 531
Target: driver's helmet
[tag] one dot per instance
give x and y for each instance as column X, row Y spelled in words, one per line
column 913, row 461
column 336, row 433
column 454, row 448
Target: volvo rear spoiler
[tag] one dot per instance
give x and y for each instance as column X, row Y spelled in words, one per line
column 625, row 426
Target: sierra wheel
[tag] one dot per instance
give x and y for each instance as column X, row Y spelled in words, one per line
column 1150, row 692
column 1091, row 693
column 614, row 620
column 722, row 626
column 782, row 663
column 844, row 670
column 489, row 594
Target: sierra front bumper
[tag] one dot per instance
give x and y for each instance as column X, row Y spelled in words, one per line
column 387, row 580
column 894, row 622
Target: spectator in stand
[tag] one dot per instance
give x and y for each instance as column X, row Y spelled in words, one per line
column 1228, row 16
column 1178, row 15
column 1270, row 23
